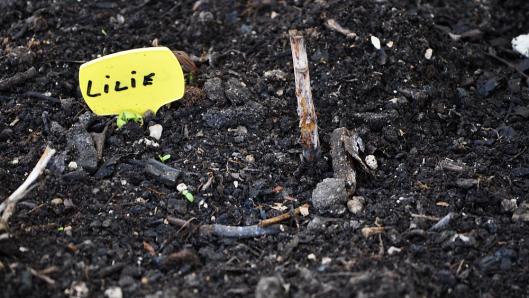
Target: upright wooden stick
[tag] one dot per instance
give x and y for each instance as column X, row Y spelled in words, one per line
column 306, row 112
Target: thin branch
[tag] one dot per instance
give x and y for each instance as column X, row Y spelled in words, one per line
column 227, row 231
column 275, row 220
column 310, row 140
column 8, row 206
column 509, row 64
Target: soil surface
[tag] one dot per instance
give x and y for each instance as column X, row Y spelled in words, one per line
column 449, row 133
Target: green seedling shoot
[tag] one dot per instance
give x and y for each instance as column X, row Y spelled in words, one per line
column 182, row 189
column 164, row 158
column 125, row 117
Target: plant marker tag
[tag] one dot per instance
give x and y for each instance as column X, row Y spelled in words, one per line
column 132, row 81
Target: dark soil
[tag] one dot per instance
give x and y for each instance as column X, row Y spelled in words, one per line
column 109, row 229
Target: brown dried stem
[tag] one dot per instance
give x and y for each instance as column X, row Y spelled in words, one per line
column 307, row 115
column 282, row 217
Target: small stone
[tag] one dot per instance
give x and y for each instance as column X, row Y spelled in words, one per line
column 330, row 196
column 428, row 54
column 394, row 250
column 521, row 44
column 114, row 292
column 155, row 131
column 6, row 134
column 466, row 183
column 237, row 92
column 276, row 74
column 326, row 260
column 270, row 287
column 72, row 165
column 162, row 172
column 356, row 204
column 376, row 42
column 509, row 205
column 521, row 213
column 249, row 158
column 371, row 162
column 311, row 257
column 86, row 154
column 214, row 91
column 56, row 201
column 106, row 223
column 78, row 290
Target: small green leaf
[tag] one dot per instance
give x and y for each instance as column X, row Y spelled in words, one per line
column 125, row 117
column 164, row 158
column 189, row 196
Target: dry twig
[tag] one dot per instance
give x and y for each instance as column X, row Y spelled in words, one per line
column 310, row 140
column 8, row 206
column 333, row 25
column 275, row 220
column 227, row 231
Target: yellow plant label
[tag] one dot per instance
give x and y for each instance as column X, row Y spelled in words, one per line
column 132, row 81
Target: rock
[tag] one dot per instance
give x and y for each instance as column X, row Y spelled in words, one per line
column 356, row 204
column 443, row 222
column 375, row 42
column 155, row 131
column 72, row 165
column 394, row 250
column 78, row 290
column 114, row 292
column 82, row 143
column 57, row 163
column 270, row 287
column 521, row 44
column 6, row 134
column 56, row 201
column 275, row 74
column 501, row 260
column 106, row 223
column 330, row 196
column 56, row 128
column 466, row 183
column 485, row 84
column 162, row 172
column 509, row 205
column 237, row 92
column 371, row 162
column 428, row 54
column 215, row 91
column 521, row 213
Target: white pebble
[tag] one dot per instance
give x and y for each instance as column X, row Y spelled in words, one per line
column 311, row 257
column 72, row 165
column 521, row 44
column 371, row 162
column 356, row 204
column 114, row 292
column 155, row 131
column 376, row 42
column 56, row 201
column 393, row 250
column 428, row 54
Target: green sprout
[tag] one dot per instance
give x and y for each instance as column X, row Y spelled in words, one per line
column 125, row 117
column 190, row 78
column 60, row 229
column 164, row 158
column 182, row 189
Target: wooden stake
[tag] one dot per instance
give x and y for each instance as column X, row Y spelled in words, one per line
column 308, row 125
